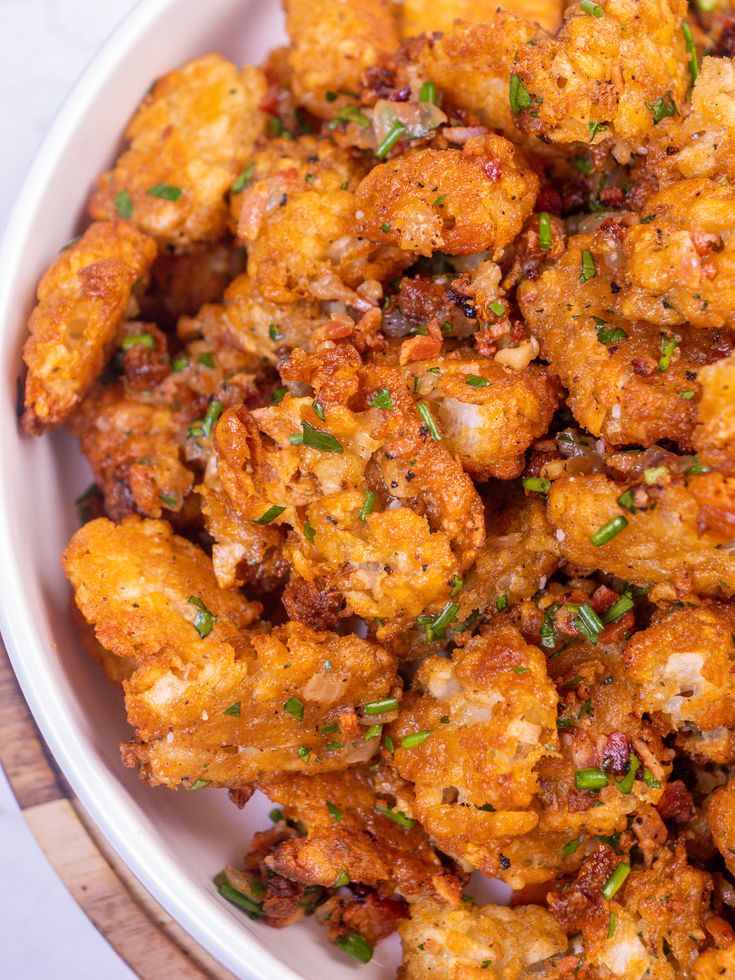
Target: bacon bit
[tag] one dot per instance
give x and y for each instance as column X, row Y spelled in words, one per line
column 337, row 327
column 422, row 347
column 485, row 343
column 368, row 331
column 602, row 598
column 704, row 242
column 569, row 964
column 650, row 830
column 616, row 748
column 493, row 170
column 460, row 134
column 615, row 632
column 645, row 366
column 549, row 199
column 612, row 196
column 721, row 932
column 448, row 887
column 269, row 104
column 241, row 796
column 579, row 802
column 676, row 803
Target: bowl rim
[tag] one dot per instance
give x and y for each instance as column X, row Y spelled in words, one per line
column 201, row 914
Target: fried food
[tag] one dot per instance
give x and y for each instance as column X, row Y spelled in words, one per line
column 455, row 201
column 424, row 16
column 82, row 299
column 191, row 137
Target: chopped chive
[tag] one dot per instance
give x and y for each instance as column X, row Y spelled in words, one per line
column 124, row 204
column 138, row 340
column 497, row 308
column 179, row 363
column 625, row 500
column 686, row 395
column 303, row 753
column 393, row 136
column 692, row 51
column 501, row 603
column 535, row 484
column 608, row 531
column 475, row 381
column 427, row 92
column 655, row 473
column 341, row 880
column 611, row 927
column 436, row 626
column 619, row 608
column 563, row 723
column 270, row 515
column 589, row 623
column 373, row 732
column 647, row 219
column 166, row 191
column 520, row 670
column 349, row 113
column 616, row 881
column 206, row 359
column 274, row 333
column 457, row 585
column 669, row 343
column 588, row 267
column 316, row 439
column 204, row 620
column 334, row 811
column 591, row 778
column 663, row 106
column 226, row 890
column 275, row 126
column 318, row 410
column 609, row 335
column 367, row 506
column 396, row 816
column 519, row 96
column 570, row 847
column 440, row 200
column 170, row 502
column 233, row 710
column 548, row 627
column 388, row 743
column 625, row 785
column 583, row 165
column 328, row 729
column 275, row 815
column 242, row 179
column 309, row 531
column 278, row 394
column 595, row 128
column 385, row 227
column 380, row 707
column 416, row 738
column 295, row 707
column 355, row 946
column 593, row 9
column 381, row 399
column 199, row 784
column 544, row 230
column 425, row 412
column 650, row 780
column 214, row 410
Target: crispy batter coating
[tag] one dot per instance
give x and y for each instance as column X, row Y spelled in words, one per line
column 193, row 133
column 702, row 142
column 82, row 299
column 715, row 964
column 135, row 582
column 420, row 16
column 684, row 667
column 661, row 547
column 618, row 385
column 490, row 717
column 347, row 830
column 721, row 821
column 591, row 81
column 490, row 414
column 332, row 44
column 714, row 436
column 454, row 201
column 478, row 941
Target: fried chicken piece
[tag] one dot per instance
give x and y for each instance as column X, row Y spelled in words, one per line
column 423, row 523
column 354, row 825
column 455, row 201
column 714, row 436
column 190, row 138
column 420, row 16
column 654, row 925
column 684, row 669
column 700, row 143
column 662, row 547
column 490, row 414
column 478, row 941
column 679, row 266
column 715, row 964
column 619, row 382
column 469, row 735
column 210, row 700
column 721, row 821
column 332, row 44
column 591, row 81
column 82, row 298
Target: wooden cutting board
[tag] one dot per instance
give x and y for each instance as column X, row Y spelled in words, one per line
column 146, row 937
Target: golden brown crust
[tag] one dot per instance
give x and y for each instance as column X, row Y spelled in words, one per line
column 721, row 821
column 82, row 299
column 194, row 132
column 420, row 16
column 454, row 201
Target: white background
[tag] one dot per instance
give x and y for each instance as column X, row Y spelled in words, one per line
column 44, row 45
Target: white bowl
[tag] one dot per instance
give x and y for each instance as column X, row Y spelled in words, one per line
column 173, row 842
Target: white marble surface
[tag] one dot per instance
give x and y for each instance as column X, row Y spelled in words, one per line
column 44, row 45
